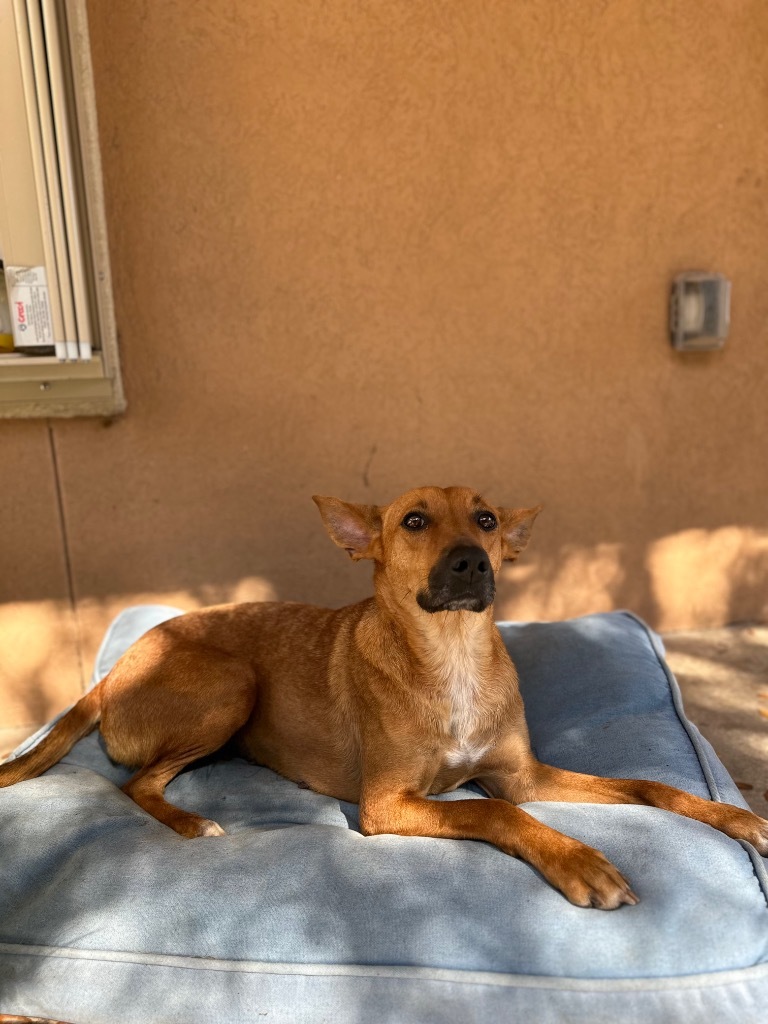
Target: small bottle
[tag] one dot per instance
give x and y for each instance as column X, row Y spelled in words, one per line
column 6, row 327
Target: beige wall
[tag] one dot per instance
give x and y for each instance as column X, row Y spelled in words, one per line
column 358, row 247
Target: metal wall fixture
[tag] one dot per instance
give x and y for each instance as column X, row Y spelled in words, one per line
column 699, row 311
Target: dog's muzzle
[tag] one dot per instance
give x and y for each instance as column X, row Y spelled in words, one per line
column 461, row 581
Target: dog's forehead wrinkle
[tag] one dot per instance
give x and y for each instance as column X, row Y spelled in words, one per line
column 471, row 496
column 440, row 497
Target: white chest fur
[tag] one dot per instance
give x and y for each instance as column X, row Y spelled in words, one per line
column 465, row 753
column 457, row 664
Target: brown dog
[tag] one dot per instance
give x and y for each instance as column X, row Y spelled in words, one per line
column 383, row 702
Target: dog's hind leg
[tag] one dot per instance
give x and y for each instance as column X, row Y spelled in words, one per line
column 175, row 710
column 146, row 788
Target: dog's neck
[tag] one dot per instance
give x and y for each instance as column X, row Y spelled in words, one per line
column 445, row 645
column 455, row 652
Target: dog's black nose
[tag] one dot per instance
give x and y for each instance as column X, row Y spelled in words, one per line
column 468, row 562
column 461, row 580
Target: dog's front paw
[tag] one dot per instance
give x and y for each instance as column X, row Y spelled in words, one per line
column 745, row 825
column 588, row 879
column 762, row 837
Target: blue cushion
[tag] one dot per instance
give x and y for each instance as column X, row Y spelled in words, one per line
column 293, row 916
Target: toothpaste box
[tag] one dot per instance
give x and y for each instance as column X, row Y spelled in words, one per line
column 30, row 305
column 6, row 333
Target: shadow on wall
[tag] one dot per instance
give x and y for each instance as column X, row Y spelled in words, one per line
column 38, row 647
column 695, row 577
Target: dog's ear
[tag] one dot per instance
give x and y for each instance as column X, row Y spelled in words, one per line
column 516, row 526
column 356, row 528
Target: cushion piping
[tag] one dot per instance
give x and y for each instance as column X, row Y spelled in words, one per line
column 757, row 972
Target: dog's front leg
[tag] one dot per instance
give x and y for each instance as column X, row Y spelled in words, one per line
column 536, row 781
column 551, row 783
column 582, row 874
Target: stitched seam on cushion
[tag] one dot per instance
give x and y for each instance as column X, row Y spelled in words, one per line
column 756, row 860
column 677, row 703
column 758, row 866
column 447, row 975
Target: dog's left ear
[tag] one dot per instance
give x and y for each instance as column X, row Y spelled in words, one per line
column 356, row 528
column 516, row 524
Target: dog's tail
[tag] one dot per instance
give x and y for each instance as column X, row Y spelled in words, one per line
column 78, row 722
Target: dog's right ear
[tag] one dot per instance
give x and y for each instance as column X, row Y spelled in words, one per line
column 356, row 528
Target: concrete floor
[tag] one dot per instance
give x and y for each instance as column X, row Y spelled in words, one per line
column 723, row 674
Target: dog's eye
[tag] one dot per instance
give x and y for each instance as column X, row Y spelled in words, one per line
column 414, row 521
column 486, row 521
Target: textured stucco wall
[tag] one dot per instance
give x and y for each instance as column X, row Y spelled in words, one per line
column 358, row 247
